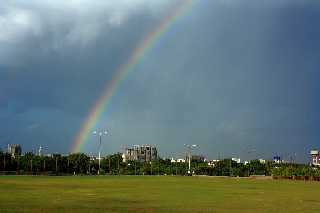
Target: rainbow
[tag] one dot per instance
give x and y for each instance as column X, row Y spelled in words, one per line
column 138, row 56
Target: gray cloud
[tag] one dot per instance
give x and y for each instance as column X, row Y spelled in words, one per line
column 229, row 76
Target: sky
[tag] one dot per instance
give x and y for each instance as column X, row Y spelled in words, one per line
column 229, row 76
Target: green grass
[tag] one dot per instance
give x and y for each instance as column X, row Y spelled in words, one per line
column 155, row 194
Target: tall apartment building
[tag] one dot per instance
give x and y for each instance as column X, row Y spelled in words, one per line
column 141, row 153
column 14, row 150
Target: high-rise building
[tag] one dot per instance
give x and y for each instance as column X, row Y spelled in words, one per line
column 141, row 153
column 14, row 150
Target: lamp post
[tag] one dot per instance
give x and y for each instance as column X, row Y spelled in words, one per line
column 248, row 160
column 248, row 154
column 124, row 152
column 189, row 154
column 125, row 157
column 99, row 147
column 294, row 158
column 285, row 157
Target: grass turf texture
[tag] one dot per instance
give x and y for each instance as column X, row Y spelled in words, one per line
column 155, row 194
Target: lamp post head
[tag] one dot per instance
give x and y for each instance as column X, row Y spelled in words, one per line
column 100, row 132
column 190, row 145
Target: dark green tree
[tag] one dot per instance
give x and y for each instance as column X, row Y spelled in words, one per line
column 26, row 163
column 258, row 168
column 78, row 163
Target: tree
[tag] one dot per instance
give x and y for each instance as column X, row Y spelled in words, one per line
column 78, row 163
column 115, row 161
column 225, row 167
column 37, row 163
column 26, row 162
column 258, row 168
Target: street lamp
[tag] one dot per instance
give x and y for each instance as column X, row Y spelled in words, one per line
column 124, row 152
column 248, row 160
column 99, row 147
column 285, row 157
column 125, row 157
column 189, row 154
column 248, row 154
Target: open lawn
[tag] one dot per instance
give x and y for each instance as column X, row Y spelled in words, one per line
column 155, row 194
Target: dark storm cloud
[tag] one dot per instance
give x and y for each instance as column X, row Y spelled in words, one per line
column 69, row 71
column 232, row 75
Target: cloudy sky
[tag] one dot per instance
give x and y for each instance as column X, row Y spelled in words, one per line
column 229, row 76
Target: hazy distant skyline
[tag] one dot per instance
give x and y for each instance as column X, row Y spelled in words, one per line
column 231, row 76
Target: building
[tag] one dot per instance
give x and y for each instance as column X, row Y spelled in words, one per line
column 141, row 153
column 14, row 150
column 238, row 160
column 198, row 157
column 315, row 155
column 178, row 160
column 277, row 159
column 260, row 160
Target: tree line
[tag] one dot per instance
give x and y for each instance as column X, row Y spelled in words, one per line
column 81, row 164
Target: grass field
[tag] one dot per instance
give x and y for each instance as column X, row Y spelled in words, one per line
column 155, row 194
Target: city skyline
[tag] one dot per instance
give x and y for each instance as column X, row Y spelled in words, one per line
column 228, row 76
column 128, row 151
